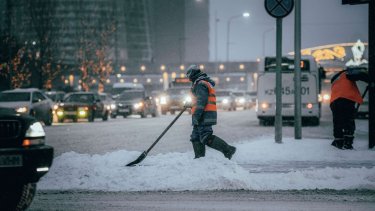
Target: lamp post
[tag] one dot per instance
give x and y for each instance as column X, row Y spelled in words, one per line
column 245, row 15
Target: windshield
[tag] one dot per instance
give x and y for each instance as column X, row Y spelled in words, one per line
column 239, row 94
column 222, row 94
column 56, row 96
column 131, row 95
column 15, row 97
column 80, row 98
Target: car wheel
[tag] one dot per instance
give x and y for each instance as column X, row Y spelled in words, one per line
column 61, row 120
column 154, row 114
column 143, row 114
column 173, row 112
column 105, row 117
column 164, row 112
column 16, row 196
column 91, row 117
column 113, row 116
column 124, row 115
column 49, row 119
column 75, row 120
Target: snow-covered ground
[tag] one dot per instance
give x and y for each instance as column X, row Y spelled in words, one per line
column 259, row 164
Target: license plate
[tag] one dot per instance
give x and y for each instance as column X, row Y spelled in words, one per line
column 70, row 113
column 10, row 160
column 124, row 110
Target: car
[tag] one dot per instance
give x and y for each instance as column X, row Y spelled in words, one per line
column 174, row 99
column 24, row 158
column 134, row 102
column 82, row 105
column 225, row 99
column 242, row 100
column 252, row 96
column 29, row 101
column 108, row 101
column 57, row 97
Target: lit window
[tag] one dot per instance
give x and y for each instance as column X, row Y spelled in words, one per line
column 143, row 68
column 242, row 79
column 227, row 79
column 123, row 68
column 242, row 66
column 201, row 67
column 148, row 80
column 162, row 67
column 135, row 80
column 221, row 67
column 182, row 67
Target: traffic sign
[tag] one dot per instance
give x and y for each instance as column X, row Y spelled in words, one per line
column 279, row 8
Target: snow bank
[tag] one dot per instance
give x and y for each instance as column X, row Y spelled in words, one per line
column 178, row 171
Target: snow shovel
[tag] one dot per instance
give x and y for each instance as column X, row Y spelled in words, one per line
column 144, row 154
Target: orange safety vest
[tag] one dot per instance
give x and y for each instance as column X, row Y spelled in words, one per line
column 342, row 87
column 211, row 103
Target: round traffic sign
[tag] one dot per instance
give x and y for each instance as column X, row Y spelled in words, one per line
column 279, row 8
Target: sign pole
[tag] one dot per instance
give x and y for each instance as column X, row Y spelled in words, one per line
column 371, row 70
column 278, row 117
column 297, row 71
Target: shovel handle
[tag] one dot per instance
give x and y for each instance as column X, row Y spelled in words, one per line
column 166, row 129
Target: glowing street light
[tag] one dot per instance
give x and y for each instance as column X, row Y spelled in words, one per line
column 244, row 15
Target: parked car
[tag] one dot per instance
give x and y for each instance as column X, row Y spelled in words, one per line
column 174, row 99
column 24, row 158
column 29, row 101
column 108, row 102
column 225, row 100
column 82, row 105
column 134, row 102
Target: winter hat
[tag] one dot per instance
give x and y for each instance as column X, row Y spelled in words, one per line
column 193, row 72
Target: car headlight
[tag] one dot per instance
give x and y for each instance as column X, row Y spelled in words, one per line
column 55, row 107
column 138, row 105
column 241, row 100
column 82, row 111
column 187, row 99
column 60, row 112
column 264, row 105
column 22, row 109
column 163, row 100
column 225, row 101
column 113, row 106
column 34, row 135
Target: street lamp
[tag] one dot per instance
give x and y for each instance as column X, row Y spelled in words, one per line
column 245, row 15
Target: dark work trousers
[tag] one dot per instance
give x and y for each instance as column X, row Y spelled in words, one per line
column 343, row 111
column 201, row 133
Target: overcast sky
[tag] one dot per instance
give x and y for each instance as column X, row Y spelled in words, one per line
column 323, row 22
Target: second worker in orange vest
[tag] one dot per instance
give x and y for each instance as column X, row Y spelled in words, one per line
column 204, row 115
column 344, row 96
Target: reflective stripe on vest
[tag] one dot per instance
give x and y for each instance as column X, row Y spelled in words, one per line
column 211, row 102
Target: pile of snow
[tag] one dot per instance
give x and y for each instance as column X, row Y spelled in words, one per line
column 178, row 171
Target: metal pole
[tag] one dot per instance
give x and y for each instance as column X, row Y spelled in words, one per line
column 216, row 43
column 297, row 71
column 278, row 117
column 228, row 30
column 371, row 70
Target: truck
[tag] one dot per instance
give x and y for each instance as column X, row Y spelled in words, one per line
column 266, row 91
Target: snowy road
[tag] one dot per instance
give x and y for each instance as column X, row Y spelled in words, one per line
column 89, row 174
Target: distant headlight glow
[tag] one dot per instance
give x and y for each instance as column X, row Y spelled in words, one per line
column 225, row 101
column 163, row 100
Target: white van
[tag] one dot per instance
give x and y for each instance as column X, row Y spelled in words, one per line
column 266, row 97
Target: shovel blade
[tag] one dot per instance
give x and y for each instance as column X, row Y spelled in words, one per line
column 138, row 160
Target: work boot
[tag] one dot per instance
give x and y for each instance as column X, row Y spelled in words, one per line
column 348, row 142
column 199, row 149
column 338, row 143
column 220, row 145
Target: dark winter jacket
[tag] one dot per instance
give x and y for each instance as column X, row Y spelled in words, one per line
column 201, row 94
